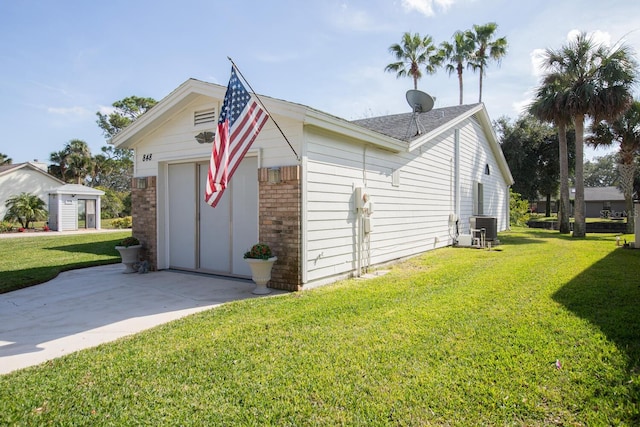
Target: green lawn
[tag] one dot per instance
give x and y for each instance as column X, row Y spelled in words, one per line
column 544, row 330
column 25, row 261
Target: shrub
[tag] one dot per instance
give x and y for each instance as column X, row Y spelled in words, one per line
column 518, row 209
column 125, row 222
column 129, row 241
column 6, row 226
column 259, row 251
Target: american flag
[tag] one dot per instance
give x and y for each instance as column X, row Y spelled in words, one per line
column 241, row 119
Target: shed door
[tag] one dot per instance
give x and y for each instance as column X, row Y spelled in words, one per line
column 212, row 239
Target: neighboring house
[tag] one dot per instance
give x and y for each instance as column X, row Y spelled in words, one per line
column 311, row 210
column 25, row 178
column 603, row 202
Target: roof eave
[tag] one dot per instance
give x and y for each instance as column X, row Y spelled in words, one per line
column 346, row 128
column 180, row 97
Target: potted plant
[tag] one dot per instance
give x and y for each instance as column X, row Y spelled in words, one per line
column 261, row 261
column 129, row 247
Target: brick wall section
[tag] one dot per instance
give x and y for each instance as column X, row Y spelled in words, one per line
column 143, row 207
column 279, row 223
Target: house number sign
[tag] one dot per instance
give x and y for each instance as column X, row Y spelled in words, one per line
column 146, row 157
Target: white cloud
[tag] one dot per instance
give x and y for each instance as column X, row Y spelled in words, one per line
column 69, row 111
column 599, row 37
column 106, row 109
column 356, row 20
column 537, row 60
column 426, row 7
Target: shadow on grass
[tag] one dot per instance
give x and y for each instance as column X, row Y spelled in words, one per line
column 529, row 235
column 96, row 248
column 18, row 279
column 608, row 296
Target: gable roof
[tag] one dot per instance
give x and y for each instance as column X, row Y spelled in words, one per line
column 8, row 169
column 597, row 194
column 434, row 122
column 391, row 132
column 402, row 126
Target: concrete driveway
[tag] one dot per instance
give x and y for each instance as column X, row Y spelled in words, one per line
column 87, row 307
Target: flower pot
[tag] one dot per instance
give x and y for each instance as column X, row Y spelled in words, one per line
column 261, row 273
column 129, row 255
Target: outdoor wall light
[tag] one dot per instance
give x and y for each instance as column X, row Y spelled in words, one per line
column 274, row 175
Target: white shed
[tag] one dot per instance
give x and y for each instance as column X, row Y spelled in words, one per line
column 312, row 211
column 73, row 207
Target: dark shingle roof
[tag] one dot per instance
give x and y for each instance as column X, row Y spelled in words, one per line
column 598, row 194
column 402, row 127
column 5, row 168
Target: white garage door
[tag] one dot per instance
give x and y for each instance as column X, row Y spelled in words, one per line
column 209, row 239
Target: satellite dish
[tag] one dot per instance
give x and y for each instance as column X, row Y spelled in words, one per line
column 419, row 101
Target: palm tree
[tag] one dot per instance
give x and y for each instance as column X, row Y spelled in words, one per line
column 25, row 208
column 5, row 160
column 411, row 54
column 457, row 55
column 78, row 166
column 58, row 168
column 485, row 48
column 624, row 130
column 596, row 81
column 548, row 106
column 74, row 159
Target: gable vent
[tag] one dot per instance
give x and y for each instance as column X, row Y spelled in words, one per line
column 203, row 117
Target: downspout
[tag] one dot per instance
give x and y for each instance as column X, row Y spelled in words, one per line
column 303, row 215
column 456, row 166
column 508, row 208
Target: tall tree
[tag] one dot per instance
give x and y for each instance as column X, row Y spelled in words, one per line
column 601, row 171
column 125, row 112
column 73, row 163
column 531, row 150
column 596, row 81
column 113, row 169
column 456, row 56
column 5, row 160
column 486, row 48
column 411, row 54
column 548, row 107
column 625, row 131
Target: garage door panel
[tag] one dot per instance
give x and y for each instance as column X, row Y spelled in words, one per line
column 182, row 216
column 245, row 213
column 215, row 229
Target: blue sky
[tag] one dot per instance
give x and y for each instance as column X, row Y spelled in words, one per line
column 62, row 61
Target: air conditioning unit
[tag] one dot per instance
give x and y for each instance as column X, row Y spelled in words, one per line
column 490, row 225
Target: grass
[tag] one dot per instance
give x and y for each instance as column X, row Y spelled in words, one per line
column 545, row 330
column 26, row 261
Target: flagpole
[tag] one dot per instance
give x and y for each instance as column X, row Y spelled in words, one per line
column 263, row 106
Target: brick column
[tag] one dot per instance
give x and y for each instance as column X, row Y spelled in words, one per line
column 279, row 223
column 144, row 217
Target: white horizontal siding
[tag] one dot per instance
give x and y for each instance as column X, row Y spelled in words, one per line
column 408, row 219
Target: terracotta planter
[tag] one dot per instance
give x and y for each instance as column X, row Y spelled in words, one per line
column 261, row 273
column 129, row 255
